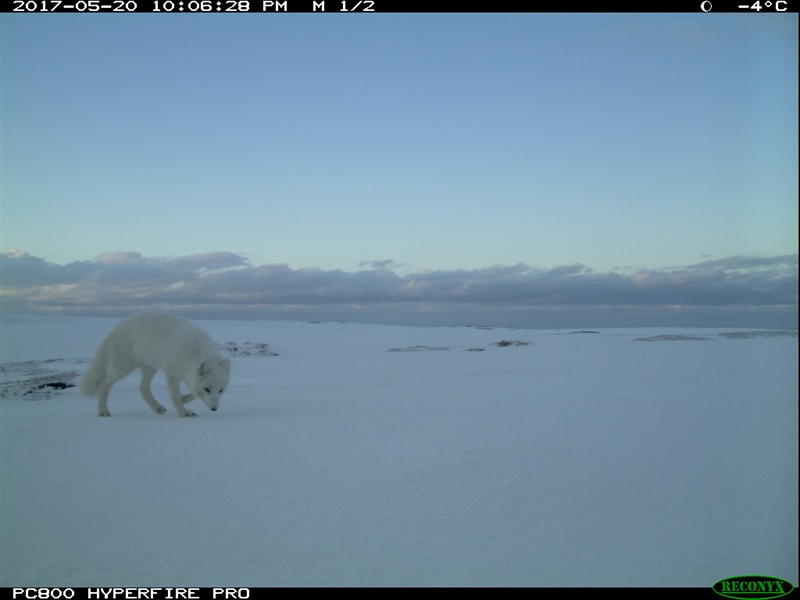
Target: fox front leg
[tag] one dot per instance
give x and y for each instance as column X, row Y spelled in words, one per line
column 147, row 394
column 173, row 385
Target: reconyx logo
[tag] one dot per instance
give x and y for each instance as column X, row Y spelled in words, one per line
column 752, row 586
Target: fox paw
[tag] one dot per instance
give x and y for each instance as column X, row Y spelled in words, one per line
column 103, row 413
column 189, row 413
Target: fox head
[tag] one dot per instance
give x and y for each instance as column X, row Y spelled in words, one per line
column 211, row 381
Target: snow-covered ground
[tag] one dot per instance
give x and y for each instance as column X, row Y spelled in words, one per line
column 379, row 455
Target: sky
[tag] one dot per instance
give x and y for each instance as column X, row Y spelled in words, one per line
column 532, row 169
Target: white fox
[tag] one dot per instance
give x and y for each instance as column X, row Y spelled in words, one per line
column 153, row 341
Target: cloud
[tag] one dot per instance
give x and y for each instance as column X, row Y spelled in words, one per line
column 20, row 270
column 226, row 284
column 380, row 264
column 750, row 262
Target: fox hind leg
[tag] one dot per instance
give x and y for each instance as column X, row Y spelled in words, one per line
column 102, row 400
column 147, row 394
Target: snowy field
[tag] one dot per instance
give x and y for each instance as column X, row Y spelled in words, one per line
column 370, row 455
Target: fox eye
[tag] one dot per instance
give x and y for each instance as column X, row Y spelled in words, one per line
column 208, row 391
column 221, row 390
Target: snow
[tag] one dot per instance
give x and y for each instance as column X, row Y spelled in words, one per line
column 561, row 460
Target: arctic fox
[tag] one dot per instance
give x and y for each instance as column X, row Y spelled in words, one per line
column 153, row 341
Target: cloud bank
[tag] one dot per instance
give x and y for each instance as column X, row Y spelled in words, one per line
column 741, row 291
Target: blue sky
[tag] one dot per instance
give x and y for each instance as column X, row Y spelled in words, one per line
column 458, row 144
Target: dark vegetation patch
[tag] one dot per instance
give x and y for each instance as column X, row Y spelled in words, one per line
column 247, row 349
column 673, row 338
column 420, row 349
column 31, row 380
column 747, row 335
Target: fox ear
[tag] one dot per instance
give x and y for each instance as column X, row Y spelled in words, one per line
column 203, row 368
column 226, row 364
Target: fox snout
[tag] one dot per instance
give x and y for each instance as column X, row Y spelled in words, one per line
column 210, row 399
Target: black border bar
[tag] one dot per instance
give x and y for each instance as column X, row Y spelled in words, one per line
column 755, row 7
